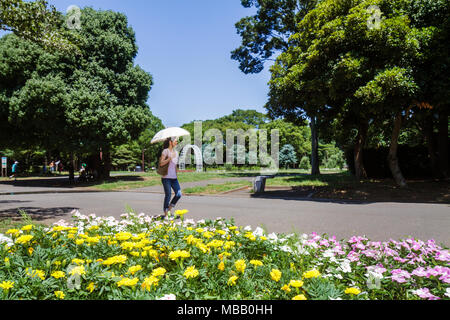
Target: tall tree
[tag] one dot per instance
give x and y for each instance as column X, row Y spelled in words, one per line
column 81, row 104
column 352, row 70
column 266, row 34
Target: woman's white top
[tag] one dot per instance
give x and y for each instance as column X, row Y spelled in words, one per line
column 172, row 170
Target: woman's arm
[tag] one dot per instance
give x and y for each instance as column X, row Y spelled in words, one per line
column 165, row 159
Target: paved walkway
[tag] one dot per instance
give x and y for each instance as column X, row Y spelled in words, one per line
column 288, row 213
column 378, row 221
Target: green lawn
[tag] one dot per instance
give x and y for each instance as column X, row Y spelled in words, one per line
column 331, row 179
column 217, row 188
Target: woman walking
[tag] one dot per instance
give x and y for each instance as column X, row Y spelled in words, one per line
column 170, row 181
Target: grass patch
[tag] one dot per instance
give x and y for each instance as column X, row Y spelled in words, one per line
column 217, row 188
column 143, row 180
column 328, row 179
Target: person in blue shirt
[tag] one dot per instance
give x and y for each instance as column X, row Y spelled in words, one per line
column 14, row 170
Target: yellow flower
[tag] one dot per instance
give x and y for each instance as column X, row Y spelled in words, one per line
column 115, row 260
column 127, row 282
column 149, row 282
column 232, row 228
column 296, row 283
column 6, row 285
column 30, row 251
column 92, row 240
column 13, row 231
column 59, row 294
column 58, row 274
column 221, row 266
column 299, row 297
column 354, row 291
column 36, row 273
column 134, row 269
column 229, row 244
column 224, row 254
column 158, row 272
column 181, row 213
column 256, row 263
column 199, row 230
column 240, row 265
column 174, row 255
column 221, row 232
column 77, row 271
column 232, row 280
column 123, row 236
column 79, row 242
column 191, row 272
column 311, row 274
column 78, row 261
column 263, row 238
column 286, row 288
column 27, row 227
column 135, row 253
column 275, row 274
column 24, row 239
column 215, row 243
column 208, row 234
column 90, row 287
column 250, row 236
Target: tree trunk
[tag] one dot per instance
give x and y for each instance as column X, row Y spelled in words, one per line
column 360, row 171
column 443, row 143
column 429, row 136
column 315, row 170
column 106, row 164
column 392, row 156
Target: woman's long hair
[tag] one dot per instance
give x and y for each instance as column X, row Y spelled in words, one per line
column 165, row 146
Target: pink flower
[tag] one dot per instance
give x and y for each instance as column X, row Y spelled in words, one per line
column 443, row 255
column 425, row 293
column 400, row 275
column 419, row 272
column 353, row 256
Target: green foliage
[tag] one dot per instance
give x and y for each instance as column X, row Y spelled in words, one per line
column 52, row 100
column 35, row 21
column 287, row 156
column 305, row 163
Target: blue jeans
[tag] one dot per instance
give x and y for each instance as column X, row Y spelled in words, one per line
column 169, row 184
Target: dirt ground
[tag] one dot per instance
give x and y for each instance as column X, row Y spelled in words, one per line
column 417, row 191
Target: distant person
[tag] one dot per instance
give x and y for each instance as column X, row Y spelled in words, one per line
column 52, row 166
column 14, row 170
column 60, row 167
column 170, row 181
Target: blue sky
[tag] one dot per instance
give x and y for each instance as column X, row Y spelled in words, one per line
column 186, row 45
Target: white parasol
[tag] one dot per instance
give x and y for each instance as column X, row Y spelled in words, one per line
column 168, row 133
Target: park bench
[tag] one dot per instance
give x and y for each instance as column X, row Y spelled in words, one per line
column 259, row 184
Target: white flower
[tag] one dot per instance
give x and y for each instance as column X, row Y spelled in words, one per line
column 4, row 239
column 258, row 232
column 447, row 292
column 345, row 266
column 168, row 297
column 286, row 249
column 248, row 228
column 272, row 237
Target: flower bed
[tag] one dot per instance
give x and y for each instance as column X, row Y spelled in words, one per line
column 138, row 257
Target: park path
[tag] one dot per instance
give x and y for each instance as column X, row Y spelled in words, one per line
column 378, row 221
